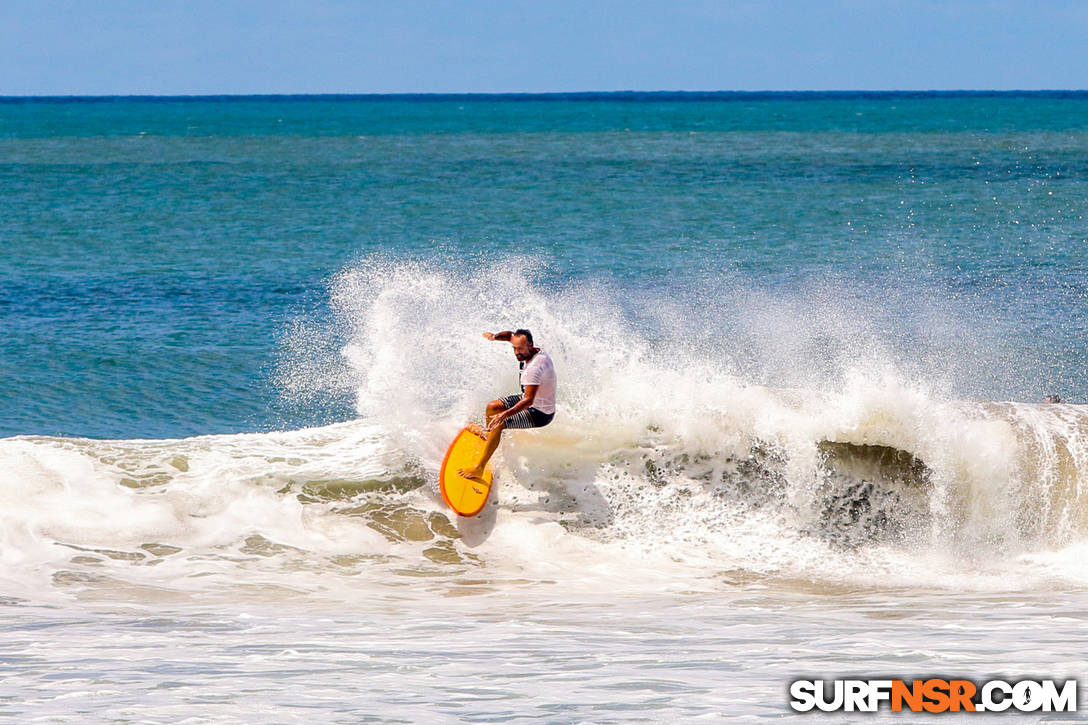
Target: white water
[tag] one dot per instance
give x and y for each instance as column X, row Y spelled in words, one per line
column 999, row 505
column 681, row 542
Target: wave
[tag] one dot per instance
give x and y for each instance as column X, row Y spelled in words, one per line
column 667, row 466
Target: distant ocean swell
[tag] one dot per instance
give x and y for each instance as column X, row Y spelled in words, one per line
column 668, row 453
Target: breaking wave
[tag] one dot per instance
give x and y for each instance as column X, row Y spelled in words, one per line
column 674, row 462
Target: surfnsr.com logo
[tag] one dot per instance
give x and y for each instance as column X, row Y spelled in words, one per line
column 933, row 695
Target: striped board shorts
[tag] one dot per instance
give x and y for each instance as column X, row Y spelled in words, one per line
column 531, row 418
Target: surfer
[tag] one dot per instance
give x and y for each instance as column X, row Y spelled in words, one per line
column 534, row 408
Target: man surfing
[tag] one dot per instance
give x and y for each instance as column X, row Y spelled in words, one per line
column 534, row 408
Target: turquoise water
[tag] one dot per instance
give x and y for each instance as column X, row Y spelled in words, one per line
column 155, row 250
column 801, row 339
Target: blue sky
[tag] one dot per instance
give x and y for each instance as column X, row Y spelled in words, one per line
column 63, row 47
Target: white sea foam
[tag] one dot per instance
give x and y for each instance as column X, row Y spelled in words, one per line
column 664, row 459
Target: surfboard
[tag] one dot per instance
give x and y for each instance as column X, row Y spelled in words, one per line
column 466, row 496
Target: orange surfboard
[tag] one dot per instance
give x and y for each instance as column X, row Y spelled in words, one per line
column 466, row 496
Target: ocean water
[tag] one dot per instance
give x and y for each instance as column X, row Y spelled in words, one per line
column 802, row 340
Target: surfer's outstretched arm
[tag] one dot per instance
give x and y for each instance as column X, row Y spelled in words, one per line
column 503, row 336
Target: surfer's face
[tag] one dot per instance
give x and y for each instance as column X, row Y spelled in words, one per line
column 522, row 349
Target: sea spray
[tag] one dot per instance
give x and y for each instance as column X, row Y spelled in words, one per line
column 664, row 452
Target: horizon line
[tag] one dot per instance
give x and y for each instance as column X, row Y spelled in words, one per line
column 545, row 95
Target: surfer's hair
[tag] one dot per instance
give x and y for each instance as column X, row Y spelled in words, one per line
column 526, row 334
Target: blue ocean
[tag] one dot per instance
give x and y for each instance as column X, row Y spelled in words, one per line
column 803, row 340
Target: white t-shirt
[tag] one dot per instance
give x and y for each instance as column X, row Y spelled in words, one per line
column 540, row 371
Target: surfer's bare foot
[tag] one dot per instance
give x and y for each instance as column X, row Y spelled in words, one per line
column 470, row 472
column 477, row 430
